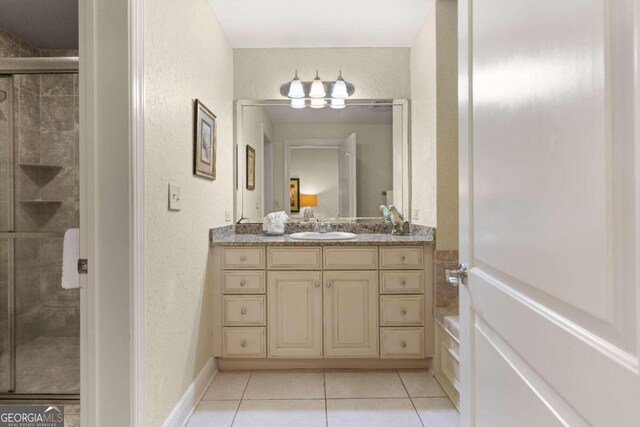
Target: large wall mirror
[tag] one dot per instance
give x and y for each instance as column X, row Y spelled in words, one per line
column 337, row 164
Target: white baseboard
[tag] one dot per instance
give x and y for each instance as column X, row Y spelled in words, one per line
column 185, row 407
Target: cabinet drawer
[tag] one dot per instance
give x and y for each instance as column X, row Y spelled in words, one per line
column 244, row 282
column 403, row 343
column 244, row 342
column 295, row 258
column 401, row 257
column 355, row 258
column 240, row 310
column 401, row 282
column 401, row 310
column 242, row 258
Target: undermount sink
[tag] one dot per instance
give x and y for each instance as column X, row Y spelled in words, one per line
column 330, row 235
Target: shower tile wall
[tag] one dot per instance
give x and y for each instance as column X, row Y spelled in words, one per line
column 45, row 163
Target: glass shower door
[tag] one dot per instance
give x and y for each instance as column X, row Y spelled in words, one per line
column 39, row 198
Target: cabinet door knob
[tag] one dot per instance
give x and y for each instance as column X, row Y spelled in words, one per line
column 328, row 284
column 242, row 283
column 316, row 285
column 403, row 311
column 243, row 258
column 403, row 344
column 403, row 283
column 243, row 311
column 243, row 344
column 402, row 258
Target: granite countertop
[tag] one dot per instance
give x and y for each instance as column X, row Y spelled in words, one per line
column 230, row 236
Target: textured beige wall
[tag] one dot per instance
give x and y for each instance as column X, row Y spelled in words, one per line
column 423, row 123
column 374, row 151
column 447, row 127
column 434, row 121
column 375, row 72
column 187, row 56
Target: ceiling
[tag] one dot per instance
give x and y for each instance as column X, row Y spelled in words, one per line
column 353, row 114
column 327, row 23
column 46, row 24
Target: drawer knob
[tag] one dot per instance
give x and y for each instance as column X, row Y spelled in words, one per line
column 316, row 285
column 243, row 311
column 403, row 311
column 403, row 283
column 243, row 258
column 403, row 258
column 403, row 344
column 243, row 343
column 328, row 284
column 243, row 283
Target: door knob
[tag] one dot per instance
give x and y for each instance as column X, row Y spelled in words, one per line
column 457, row 277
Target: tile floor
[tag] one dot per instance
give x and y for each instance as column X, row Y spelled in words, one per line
column 329, row 398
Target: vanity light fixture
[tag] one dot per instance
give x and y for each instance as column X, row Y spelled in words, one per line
column 318, row 92
column 317, row 88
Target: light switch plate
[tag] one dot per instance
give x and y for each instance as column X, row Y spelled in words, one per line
column 227, row 216
column 174, row 197
column 416, row 214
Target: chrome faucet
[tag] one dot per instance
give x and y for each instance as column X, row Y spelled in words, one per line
column 322, row 227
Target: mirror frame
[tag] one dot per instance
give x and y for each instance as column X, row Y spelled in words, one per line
column 405, row 161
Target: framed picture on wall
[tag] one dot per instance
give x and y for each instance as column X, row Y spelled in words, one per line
column 251, row 168
column 205, row 142
column 294, row 194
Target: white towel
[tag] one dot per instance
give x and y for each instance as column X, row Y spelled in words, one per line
column 70, row 256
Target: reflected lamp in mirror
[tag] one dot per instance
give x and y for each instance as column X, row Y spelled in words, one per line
column 307, row 202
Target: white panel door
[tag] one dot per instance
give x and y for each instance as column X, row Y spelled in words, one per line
column 347, row 200
column 351, row 314
column 295, row 313
column 549, row 212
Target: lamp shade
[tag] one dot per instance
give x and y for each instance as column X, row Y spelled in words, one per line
column 340, row 88
column 295, row 88
column 298, row 103
column 308, row 200
column 317, row 88
column 337, row 104
column 318, row 103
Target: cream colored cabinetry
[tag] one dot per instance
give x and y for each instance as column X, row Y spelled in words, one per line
column 313, row 303
column 351, row 314
column 295, row 313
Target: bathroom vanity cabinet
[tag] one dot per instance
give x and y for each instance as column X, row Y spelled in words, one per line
column 326, row 302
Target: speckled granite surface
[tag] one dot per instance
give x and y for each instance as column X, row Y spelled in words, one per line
column 348, row 227
column 225, row 236
column 449, row 319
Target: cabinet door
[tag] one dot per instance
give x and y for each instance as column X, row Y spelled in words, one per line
column 351, row 314
column 295, row 313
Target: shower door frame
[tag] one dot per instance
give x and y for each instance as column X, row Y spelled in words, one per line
column 9, row 67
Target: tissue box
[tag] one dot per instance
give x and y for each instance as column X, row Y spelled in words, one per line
column 274, row 228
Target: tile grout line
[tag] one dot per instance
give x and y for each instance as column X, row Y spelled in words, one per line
column 326, row 412
column 410, row 398
column 241, row 398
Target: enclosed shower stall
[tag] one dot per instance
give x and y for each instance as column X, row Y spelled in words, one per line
column 39, row 201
